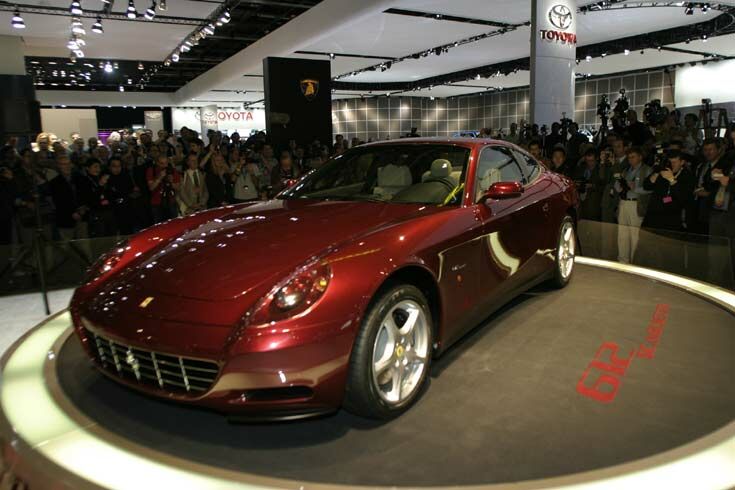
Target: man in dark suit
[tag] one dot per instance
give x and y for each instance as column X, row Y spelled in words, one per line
column 70, row 212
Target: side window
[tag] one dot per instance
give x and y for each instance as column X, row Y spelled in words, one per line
column 496, row 165
column 529, row 166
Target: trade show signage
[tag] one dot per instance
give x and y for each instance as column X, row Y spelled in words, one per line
column 560, row 25
column 228, row 120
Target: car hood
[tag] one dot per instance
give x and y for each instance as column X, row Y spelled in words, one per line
column 255, row 246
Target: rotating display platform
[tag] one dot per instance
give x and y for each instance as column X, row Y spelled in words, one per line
column 621, row 378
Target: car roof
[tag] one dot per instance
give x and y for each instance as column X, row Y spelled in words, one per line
column 439, row 140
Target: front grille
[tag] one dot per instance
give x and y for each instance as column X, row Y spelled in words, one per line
column 173, row 374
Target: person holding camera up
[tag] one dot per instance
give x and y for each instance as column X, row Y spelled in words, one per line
column 590, row 180
column 633, row 203
column 672, row 186
column 246, row 180
column 163, row 182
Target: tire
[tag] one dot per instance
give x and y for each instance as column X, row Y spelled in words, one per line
column 566, row 246
column 376, row 388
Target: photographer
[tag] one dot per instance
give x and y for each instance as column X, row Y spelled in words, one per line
column 633, row 203
column 612, row 164
column 590, row 180
column 246, row 180
column 672, row 186
column 163, row 182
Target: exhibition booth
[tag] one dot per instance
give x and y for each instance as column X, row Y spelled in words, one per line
column 428, row 261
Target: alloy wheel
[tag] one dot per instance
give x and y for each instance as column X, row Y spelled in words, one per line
column 401, row 352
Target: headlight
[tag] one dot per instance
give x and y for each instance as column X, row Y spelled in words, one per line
column 107, row 262
column 294, row 295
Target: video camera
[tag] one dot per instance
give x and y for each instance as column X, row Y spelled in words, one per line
column 654, row 113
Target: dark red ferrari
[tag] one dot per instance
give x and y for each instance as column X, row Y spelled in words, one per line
column 339, row 292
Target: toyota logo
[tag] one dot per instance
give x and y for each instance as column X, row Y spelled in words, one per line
column 560, row 17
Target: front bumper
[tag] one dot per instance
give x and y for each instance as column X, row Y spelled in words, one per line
column 294, row 369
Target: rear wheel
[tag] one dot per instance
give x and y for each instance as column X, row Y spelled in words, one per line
column 565, row 253
column 391, row 356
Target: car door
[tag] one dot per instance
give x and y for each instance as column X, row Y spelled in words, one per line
column 539, row 190
column 509, row 225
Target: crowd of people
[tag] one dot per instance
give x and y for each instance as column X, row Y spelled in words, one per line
column 85, row 189
column 664, row 176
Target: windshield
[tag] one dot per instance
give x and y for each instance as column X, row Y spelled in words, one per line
column 409, row 173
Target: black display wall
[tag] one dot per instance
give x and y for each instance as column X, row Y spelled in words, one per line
column 126, row 117
column 20, row 113
column 298, row 100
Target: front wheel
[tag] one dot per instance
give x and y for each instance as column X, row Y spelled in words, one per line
column 391, row 356
column 565, row 253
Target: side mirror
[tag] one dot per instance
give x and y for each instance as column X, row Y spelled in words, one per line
column 503, row 190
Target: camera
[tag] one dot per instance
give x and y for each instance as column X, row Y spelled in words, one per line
column 654, row 113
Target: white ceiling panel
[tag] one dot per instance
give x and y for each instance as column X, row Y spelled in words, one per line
column 394, row 36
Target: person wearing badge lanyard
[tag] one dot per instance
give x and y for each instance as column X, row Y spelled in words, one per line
column 672, row 189
column 633, row 204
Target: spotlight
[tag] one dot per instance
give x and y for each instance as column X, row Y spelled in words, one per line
column 225, row 18
column 97, row 26
column 77, row 27
column 76, row 8
column 705, row 8
column 108, row 67
column 332, row 56
column 150, row 12
column 478, row 76
column 626, row 52
column 132, row 14
column 162, row 5
column 17, row 21
column 603, row 54
column 115, row 65
column 704, row 38
column 140, row 66
column 208, row 29
column 588, row 58
column 167, row 62
column 122, row 89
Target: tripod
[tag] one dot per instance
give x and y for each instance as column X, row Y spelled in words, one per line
column 33, row 254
